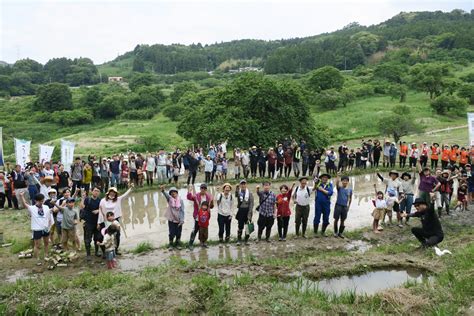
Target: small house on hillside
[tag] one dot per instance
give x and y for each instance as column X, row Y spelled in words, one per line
column 115, row 79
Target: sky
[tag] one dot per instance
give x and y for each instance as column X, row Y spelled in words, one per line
column 102, row 30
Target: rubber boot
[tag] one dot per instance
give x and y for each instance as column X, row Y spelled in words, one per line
column 191, row 239
column 323, row 230
column 247, row 239
column 335, row 230
column 88, row 252
column 97, row 254
column 103, row 251
column 315, row 227
column 239, row 237
column 170, row 243
column 341, row 230
column 297, row 230
column 177, row 244
column 303, row 229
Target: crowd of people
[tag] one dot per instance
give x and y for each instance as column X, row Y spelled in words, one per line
column 58, row 199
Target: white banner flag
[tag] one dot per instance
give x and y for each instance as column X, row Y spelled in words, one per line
column 67, row 153
column 470, row 126
column 22, row 152
column 45, row 153
column 2, row 162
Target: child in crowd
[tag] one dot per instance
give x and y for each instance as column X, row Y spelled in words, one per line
column 379, row 211
column 69, row 223
column 204, row 216
column 462, row 197
column 352, row 158
column 140, row 176
column 283, row 210
column 175, row 215
column 224, row 167
column 109, row 244
column 391, row 199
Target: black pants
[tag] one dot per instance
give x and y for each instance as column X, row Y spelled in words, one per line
column 253, row 169
column 403, row 161
column 392, row 161
column 287, row 170
column 91, row 233
column 12, row 200
column 311, row 169
column 434, row 163
column 191, row 177
column 208, row 177
column 444, row 164
column 423, row 161
column 376, row 160
column 279, row 168
column 261, row 169
column 425, row 238
column 265, row 223
column 412, row 162
column 75, row 184
column 134, row 177
column 104, row 183
column 305, row 168
column 2, row 200
column 224, row 226
column 174, row 232
column 283, row 226
column 271, row 171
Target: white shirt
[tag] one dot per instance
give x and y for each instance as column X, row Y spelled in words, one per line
column 44, row 190
column 380, row 203
column 106, row 206
column 225, row 205
column 49, row 172
column 40, row 222
column 390, row 202
column 245, row 159
column 150, row 164
column 301, row 195
column 208, row 165
column 162, row 160
column 224, row 147
column 394, row 184
column 414, row 153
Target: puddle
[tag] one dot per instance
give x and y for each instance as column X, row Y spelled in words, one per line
column 17, row 275
column 367, row 283
column 144, row 213
column 358, row 246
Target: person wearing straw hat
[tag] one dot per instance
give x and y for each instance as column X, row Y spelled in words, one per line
column 112, row 202
column 225, row 211
column 393, row 184
column 322, row 207
column 302, row 199
column 430, row 233
column 175, row 216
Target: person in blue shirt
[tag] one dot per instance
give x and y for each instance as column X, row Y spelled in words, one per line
column 344, row 199
column 324, row 191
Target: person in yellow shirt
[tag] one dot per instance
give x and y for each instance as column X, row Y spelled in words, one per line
column 87, row 177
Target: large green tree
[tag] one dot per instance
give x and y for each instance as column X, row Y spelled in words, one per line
column 53, row 97
column 430, row 77
column 398, row 123
column 252, row 110
column 325, row 78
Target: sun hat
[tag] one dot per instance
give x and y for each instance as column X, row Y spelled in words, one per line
column 52, row 191
column 203, row 186
column 243, row 181
column 172, row 189
column 227, row 185
column 419, row 201
column 393, row 172
column 112, row 189
column 327, row 175
column 406, row 174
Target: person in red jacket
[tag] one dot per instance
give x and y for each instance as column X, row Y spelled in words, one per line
column 283, row 210
column 204, row 215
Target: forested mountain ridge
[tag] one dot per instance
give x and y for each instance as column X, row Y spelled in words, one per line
column 422, row 32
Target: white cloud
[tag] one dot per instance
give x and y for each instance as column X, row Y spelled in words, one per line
column 102, row 29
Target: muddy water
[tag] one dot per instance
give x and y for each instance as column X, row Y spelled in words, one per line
column 368, row 283
column 144, row 213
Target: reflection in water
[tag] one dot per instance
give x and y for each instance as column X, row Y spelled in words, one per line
column 368, row 283
column 144, row 220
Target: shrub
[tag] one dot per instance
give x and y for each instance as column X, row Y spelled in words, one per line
column 72, row 117
column 174, row 111
column 142, row 114
column 449, row 104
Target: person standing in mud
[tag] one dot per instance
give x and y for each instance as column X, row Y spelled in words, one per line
column 253, row 155
column 343, row 203
column 197, row 199
column 90, row 216
column 225, row 210
column 267, row 210
column 262, row 162
column 428, row 183
column 301, row 196
column 175, row 216
column 430, row 233
column 283, row 210
column 244, row 215
column 324, row 192
column 393, row 184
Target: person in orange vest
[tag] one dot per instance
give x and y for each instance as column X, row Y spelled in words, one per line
column 403, row 154
column 434, row 155
column 424, row 154
column 463, row 157
column 471, row 155
column 453, row 156
column 445, row 157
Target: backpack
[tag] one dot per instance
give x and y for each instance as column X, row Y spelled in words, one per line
column 307, row 189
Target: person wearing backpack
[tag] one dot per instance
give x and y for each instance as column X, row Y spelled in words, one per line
column 301, row 197
column 225, row 210
column 244, row 209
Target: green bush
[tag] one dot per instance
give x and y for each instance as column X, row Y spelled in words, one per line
column 449, row 104
column 174, row 111
column 73, row 117
column 142, row 114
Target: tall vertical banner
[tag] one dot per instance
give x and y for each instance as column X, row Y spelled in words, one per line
column 470, row 126
column 45, row 153
column 22, row 152
column 67, row 153
column 2, row 162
